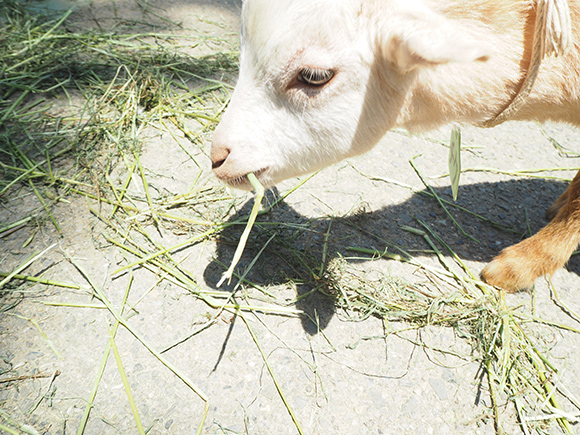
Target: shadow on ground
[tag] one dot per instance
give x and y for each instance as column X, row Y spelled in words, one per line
column 298, row 252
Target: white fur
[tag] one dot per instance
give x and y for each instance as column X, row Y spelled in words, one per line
column 398, row 63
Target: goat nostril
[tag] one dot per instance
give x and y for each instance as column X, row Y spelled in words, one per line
column 219, row 155
column 216, row 164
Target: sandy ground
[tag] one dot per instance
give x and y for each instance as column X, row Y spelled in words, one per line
column 338, row 375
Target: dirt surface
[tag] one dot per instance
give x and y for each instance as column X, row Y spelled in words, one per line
column 337, row 374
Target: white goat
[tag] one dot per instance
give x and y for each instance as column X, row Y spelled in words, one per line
column 322, row 80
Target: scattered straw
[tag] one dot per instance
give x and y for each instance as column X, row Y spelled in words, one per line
column 517, row 369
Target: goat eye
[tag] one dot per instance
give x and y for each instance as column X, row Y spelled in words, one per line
column 314, row 76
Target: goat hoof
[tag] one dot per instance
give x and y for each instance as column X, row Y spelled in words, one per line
column 511, row 270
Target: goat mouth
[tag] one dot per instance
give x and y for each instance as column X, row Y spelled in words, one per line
column 242, row 182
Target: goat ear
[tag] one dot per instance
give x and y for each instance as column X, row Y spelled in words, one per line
column 431, row 40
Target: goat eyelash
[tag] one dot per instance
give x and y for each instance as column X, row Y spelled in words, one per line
column 315, row 76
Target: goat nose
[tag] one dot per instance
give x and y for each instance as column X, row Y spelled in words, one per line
column 219, row 154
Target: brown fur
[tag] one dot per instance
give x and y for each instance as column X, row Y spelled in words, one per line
column 555, row 97
column 542, row 254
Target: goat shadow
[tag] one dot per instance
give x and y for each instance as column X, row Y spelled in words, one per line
column 296, row 248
